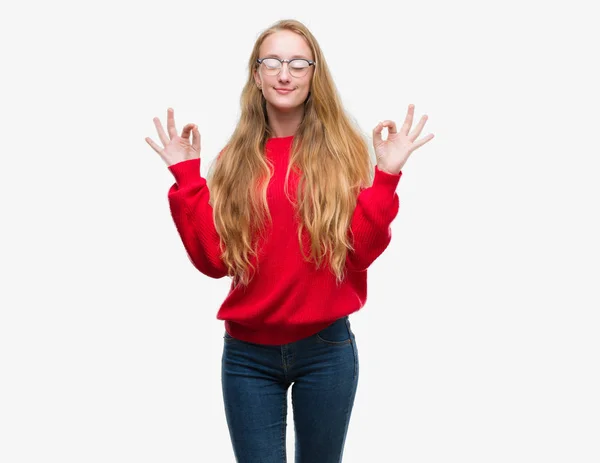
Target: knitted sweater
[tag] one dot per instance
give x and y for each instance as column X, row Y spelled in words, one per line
column 288, row 299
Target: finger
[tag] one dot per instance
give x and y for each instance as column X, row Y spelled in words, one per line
column 156, row 148
column 417, row 131
column 422, row 141
column 161, row 133
column 196, row 139
column 171, row 123
column 185, row 133
column 153, row 145
column 391, row 125
column 408, row 120
column 377, row 134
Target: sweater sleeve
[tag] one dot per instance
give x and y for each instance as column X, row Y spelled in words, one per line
column 193, row 217
column 376, row 207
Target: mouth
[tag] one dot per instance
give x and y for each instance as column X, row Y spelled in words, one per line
column 284, row 91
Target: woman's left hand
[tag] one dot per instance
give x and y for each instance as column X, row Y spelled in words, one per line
column 393, row 152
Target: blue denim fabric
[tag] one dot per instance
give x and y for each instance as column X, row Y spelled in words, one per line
column 323, row 372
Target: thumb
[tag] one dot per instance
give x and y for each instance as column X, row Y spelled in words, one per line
column 377, row 134
column 196, row 138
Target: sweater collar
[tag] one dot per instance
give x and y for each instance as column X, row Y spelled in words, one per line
column 279, row 142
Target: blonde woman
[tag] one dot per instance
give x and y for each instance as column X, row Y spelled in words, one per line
column 295, row 212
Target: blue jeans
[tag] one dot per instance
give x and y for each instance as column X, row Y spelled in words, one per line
column 323, row 372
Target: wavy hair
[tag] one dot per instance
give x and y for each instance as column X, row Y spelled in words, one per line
column 329, row 151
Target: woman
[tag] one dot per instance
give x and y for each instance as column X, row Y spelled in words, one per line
column 295, row 213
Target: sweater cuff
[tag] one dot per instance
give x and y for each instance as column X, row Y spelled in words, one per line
column 386, row 180
column 186, row 171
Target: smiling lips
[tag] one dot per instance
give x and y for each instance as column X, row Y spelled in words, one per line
column 284, row 91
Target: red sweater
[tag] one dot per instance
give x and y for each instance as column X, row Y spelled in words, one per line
column 288, row 299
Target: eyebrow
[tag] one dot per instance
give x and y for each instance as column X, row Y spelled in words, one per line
column 275, row 55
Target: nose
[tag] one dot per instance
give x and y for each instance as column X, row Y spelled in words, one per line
column 284, row 73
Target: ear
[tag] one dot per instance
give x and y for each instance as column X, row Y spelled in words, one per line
column 256, row 78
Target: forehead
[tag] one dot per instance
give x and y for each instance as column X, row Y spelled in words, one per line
column 285, row 44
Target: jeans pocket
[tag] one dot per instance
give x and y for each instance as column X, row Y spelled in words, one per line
column 336, row 334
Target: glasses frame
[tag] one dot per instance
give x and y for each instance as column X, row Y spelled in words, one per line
column 310, row 63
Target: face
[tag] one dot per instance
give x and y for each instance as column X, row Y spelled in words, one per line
column 284, row 45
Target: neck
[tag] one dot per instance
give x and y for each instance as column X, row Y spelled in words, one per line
column 284, row 123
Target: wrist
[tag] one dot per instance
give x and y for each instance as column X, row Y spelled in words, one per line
column 387, row 171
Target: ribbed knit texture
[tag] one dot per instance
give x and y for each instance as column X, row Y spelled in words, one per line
column 288, row 299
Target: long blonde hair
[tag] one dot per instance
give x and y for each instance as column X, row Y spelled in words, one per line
column 329, row 151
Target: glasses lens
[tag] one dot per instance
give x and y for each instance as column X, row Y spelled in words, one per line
column 299, row 67
column 272, row 65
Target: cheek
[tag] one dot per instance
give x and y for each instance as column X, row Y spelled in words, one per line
column 305, row 84
column 306, row 88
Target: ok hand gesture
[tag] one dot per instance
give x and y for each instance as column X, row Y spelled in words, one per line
column 176, row 148
column 394, row 152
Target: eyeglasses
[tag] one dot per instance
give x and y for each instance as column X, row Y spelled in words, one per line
column 298, row 67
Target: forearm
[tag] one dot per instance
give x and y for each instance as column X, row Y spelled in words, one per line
column 193, row 218
column 370, row 229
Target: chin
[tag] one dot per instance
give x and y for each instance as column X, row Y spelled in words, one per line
column 287, row 106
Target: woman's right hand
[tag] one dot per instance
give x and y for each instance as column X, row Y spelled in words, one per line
column 176, row 148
